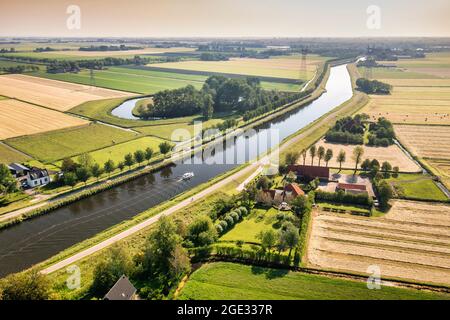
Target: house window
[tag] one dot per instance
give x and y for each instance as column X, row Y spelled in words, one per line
column 35, row 183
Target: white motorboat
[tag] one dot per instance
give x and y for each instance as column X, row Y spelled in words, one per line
column 187, row 175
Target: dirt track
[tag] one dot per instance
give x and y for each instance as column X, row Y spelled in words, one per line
column 411, row 242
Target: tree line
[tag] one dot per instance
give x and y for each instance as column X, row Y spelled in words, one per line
column 373, row 86
column 63, row 66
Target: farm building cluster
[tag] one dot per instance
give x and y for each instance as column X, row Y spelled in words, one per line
column 29, row 177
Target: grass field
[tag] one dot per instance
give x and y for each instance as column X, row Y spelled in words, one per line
column 145, row 81
column 57, row 95
column 287, row 67
column 19, row 118
column 8, row 64
column 417, row 186
column 56, row 145
column 410, row 242
column 248, row 229
column 118, row 151
column 9, row 155
column 229, row 281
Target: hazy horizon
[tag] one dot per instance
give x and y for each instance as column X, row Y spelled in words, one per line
column 225, row 19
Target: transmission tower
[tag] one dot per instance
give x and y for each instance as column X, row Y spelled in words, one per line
column 368, row 74
column 303, row 69
column 92, row 77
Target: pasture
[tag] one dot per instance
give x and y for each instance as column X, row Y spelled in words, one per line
column 145, row 81
column 9, row 155
column 19, row 118
column 56, row 145
column 416, row 186
column 231, row 281
column 57, row 95
column 117, row 152
column 410, row 242
column 287, row 67
column 393, row 154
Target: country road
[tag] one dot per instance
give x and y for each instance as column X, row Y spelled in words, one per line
column 332, row 116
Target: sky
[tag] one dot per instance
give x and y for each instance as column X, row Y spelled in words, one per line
column 225, row 18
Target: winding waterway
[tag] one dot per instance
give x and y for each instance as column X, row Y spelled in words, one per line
column 37, row 239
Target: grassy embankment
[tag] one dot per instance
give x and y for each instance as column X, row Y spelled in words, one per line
column 230, row 281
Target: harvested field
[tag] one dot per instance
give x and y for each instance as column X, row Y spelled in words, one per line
column 431, row 144
column 393, row 154
column 18, row 118
column 57, row 95
column 411, row 242
column 278, row 67
column 426, row 141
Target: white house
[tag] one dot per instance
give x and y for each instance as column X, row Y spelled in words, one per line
column 38, row 177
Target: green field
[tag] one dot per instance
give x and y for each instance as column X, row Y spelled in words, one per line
column 8, row 64
column 56, row 145
column 8, row 155
column 145, row 81
column 117, row 152
column 247, row 230
column 229, row 281
column 417, row 186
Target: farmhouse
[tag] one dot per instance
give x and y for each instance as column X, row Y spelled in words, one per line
column 310, row 172
column 38, row 177
column 278, row 196
column 122, row 290
column 352, row 188
column 18, row 170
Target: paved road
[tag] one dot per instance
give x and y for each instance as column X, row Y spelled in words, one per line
column 252, row 167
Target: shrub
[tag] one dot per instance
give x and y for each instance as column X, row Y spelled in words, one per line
column 342, row 197
column 229, row 219
column 243, row 211
column 219, row 229
column 235, row 216
column 224, row 225
column 201, row 231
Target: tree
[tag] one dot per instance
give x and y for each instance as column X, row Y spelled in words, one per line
column 312, row 153
column 165, row 147
column 148, row 154
column 68, row 165
column 291, row 177
column 396, row 170
column 365, row 165
column 85, row 160
column 7, row 182
column 328, row 156
column 118, row 262
column 201, row 232
column 386, row 167
column 341, row 159
column 301, row 205
column 358, row 152
column 291, row 158
column 31, row 285
column 208, row 107
column 268, row 239
column 162, row 249
column 304, row 152
column 70, row 179
column 263, row 183
column 290, row 237
column 121, row 166
column 139, row 156
column 83, row 174
column 109, row 167
column 320, row 153
column 384, row 193
column 96, row 170
column 129, row 160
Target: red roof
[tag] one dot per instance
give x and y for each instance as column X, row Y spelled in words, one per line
column 310, row 171
column 351, row 186
column 295, row 189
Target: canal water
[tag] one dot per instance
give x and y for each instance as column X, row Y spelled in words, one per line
column 40, row 238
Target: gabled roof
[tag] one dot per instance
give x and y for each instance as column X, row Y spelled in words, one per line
column 295, row 189
column 36, row 173
column 352, row 186
column 310, row 171
column 122, row 290
column 17, row 167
